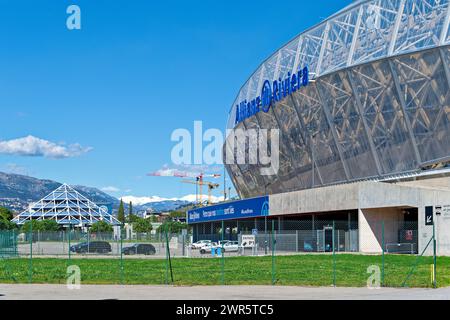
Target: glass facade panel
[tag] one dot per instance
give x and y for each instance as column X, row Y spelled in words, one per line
column 375, row 30
column 384, row 116
column 324, row 149
column 293, row 136
column 337, row 96
column 427, row 97
column 421, row 24
column 281, row 180
column 311, row 47
column 339, row 41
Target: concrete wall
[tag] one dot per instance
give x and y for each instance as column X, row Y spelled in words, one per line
column 441, row 183
column 443, row 235
column 371, row 226
column 373, row 195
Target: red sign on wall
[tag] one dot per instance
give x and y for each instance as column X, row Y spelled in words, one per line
column 409, row 235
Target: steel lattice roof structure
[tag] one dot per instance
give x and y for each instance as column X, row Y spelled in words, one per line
column 379, row 105
column 66, row 206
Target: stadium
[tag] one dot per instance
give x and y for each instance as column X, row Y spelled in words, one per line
column 364, row 134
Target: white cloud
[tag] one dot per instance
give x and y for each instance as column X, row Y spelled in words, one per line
column 110, row 189
column 31, row 146
column 188, row 171
column 144, row 200
column 192, row 198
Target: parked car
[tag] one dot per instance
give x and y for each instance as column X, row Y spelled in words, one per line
column 231, row 246
column 92, row 247
column 140, row 248
column 200, row 244
column 208, row 247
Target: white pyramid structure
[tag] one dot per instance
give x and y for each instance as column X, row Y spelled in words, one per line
column 66, row 206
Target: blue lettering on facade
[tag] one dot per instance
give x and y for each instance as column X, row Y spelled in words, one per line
column 248, row 208
column 272, row 93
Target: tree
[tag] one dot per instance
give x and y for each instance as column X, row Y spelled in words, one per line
column 41, row 225
column 121, row 213
column 142, row 225
column 49, row 225
column 172, row 227
column 101, row 226
column 6, row 214
column 7, row 225
column 29, row 225
column 177, row 214
column 131, row 217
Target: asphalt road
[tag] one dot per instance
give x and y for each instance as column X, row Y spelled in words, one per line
column 97, row 292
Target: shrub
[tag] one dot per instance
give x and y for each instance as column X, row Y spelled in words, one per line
column 101, row 226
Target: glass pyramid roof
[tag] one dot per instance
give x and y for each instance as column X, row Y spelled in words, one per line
column 66, row 206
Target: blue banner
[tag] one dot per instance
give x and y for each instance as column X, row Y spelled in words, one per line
column 249, row 208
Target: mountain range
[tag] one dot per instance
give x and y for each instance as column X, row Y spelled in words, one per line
column 18, row 191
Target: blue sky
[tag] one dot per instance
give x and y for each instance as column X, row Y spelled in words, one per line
column 113, row 92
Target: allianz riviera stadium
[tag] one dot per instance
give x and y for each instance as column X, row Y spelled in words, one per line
column 364, row 133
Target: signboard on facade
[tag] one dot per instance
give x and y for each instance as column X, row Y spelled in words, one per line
column 249, row 208
column 271, row 93
column 429, row 211
column 443, row 211
column 248, row 241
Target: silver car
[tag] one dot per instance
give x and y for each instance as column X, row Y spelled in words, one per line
column 208, row 248
column 231, row 246
column 200, row 244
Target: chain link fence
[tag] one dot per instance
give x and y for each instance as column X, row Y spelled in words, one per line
column 322, row 253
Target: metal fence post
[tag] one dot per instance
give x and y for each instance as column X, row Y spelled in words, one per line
column 30, row 271
column 434, row 257
column 273, row 254
column 168, row 255
column 69, row 239
column 121, row 255
column 38, row 241
column 16, row 249
column 266, row 241
column 223, row 255
column 183, row 248
column 334, row 254
column 383, row 253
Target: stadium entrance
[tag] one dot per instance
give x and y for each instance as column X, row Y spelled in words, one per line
column 397, row 228
column 366, row 217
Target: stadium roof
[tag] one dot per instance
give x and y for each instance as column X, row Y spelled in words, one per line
column 362, row 32
column 66, row 206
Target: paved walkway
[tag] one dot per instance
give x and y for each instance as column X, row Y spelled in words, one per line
column 58, row 292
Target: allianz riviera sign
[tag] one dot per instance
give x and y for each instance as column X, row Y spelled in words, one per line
column 271, row 93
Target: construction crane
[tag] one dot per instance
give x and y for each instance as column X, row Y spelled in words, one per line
column 199, row 181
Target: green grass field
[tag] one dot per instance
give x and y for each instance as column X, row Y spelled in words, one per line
column 301, row 270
